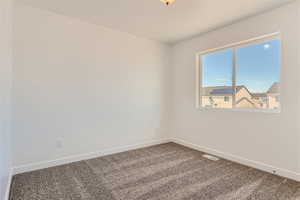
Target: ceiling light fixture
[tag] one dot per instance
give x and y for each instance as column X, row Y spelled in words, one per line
column 167, row 2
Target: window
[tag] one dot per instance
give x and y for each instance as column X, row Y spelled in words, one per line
column 242, row 76
column 261, row 104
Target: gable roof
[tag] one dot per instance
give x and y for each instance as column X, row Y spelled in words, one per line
column 245, row 99
column 274, row 88
column 221, row 90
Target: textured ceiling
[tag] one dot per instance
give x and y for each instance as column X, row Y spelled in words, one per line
column 154, row 20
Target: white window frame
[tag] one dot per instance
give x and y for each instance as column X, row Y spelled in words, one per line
column 234, row 46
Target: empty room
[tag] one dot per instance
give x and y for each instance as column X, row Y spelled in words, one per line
column 150, row 100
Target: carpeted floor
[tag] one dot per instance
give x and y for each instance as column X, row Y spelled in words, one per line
column 167, row 171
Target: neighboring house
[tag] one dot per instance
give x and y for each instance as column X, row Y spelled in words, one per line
column 273, row 96
column 243, row 98
column 221, row 97
column 213, row 100
column 261, row 99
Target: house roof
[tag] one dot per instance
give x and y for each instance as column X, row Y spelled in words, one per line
column 274, row 88
column 220, row 90
column 207, row 90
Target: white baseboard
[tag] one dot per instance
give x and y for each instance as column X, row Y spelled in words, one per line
column 7, row 191
column 76, row 158
column 244, row 161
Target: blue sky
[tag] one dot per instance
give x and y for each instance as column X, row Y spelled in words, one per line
column 258, row 67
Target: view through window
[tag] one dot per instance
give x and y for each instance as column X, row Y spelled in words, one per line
column 244, row 76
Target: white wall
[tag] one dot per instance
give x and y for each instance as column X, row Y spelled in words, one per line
column 5, row 87
column 271, row 139
column 87, row 86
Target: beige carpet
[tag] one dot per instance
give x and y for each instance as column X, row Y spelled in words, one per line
column 161, row 172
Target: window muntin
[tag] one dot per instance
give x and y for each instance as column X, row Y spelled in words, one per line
column 244, row 76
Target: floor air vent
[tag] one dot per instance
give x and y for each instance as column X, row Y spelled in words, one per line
column 210, row 157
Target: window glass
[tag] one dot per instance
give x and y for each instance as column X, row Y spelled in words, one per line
column 257, row 75
column 217, row 79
